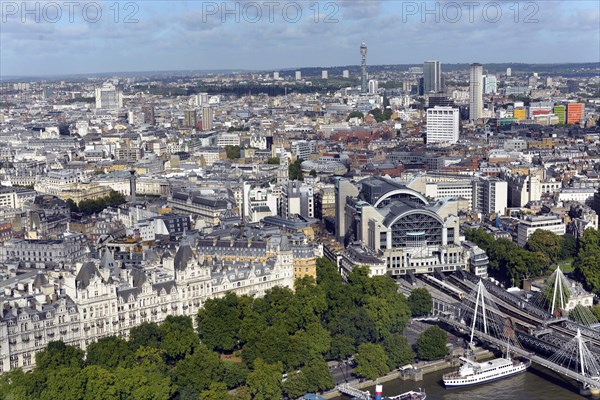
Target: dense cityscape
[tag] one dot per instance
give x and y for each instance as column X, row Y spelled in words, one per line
column 297, row 233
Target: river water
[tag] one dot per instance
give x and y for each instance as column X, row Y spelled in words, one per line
column 537, row 383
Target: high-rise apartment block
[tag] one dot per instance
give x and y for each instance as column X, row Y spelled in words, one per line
column 207, row 118
column 476, row 92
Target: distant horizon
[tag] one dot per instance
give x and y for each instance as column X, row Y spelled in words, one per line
column 271, row 70
column 175, row 35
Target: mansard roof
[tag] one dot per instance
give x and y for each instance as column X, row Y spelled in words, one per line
column 86, row 273
column 182, row 257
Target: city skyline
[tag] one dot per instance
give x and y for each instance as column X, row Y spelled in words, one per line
column 193, row 36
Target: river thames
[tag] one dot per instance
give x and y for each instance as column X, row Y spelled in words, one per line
column 537, row 383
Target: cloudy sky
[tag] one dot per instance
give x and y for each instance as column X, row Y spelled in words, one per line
column 57, row 37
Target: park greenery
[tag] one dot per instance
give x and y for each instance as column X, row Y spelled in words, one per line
column 544, row 250
column 89, row 207
column 587, row 261
column 510, row 264
column 241, row 349
column 273, row 161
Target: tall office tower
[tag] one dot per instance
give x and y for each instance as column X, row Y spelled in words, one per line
column 363, row 68
column 442, row 125
column 148, row 111
column 432, row 77
column 476, row 92
column 324, row 74
column 490, row 84
column 109, row 97
column 373, row 86
column 509, row 71
column 298, row 75
column 207, row 118
column 190, row 118
column 275, row 75
column 345, row 74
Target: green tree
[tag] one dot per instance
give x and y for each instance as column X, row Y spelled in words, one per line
column 146, row 334
column 371, row 361
column 273, row 161
column 234, row 374
column 312, row 299
column 587, row 260
column 199, row 370
column 150, row 358
column 63, row 383
column 431, row 344
column 100, row 384
column 72, row 206
column 315, row 342
column 110, row 352
column 545, row 242
column 313, row 173
column 295, row 385
column 420, row 302
column 233, row 152
column 56, row 355
column 355, row 114
column 216, row 391
column 178, row 337
column 242, row 393
column 398, row 350
column 139, row 383
column 265, row 381
column 219, row 323
column 568, row 247
column 342, row 347
column 295, row 171
column 317, row 376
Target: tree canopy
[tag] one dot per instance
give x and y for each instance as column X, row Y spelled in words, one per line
column 295, row 172
column 233, row 152
column 420, row 302
column 431, row 344
column 588, row 259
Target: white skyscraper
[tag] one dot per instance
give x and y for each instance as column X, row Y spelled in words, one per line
column 373, row 86
column 345, row 74
column 442, row 125
column 109, row 97
column 509, row 71
column 324, row 74
column 476, row 92
column 275, row 75
column 298, row 75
